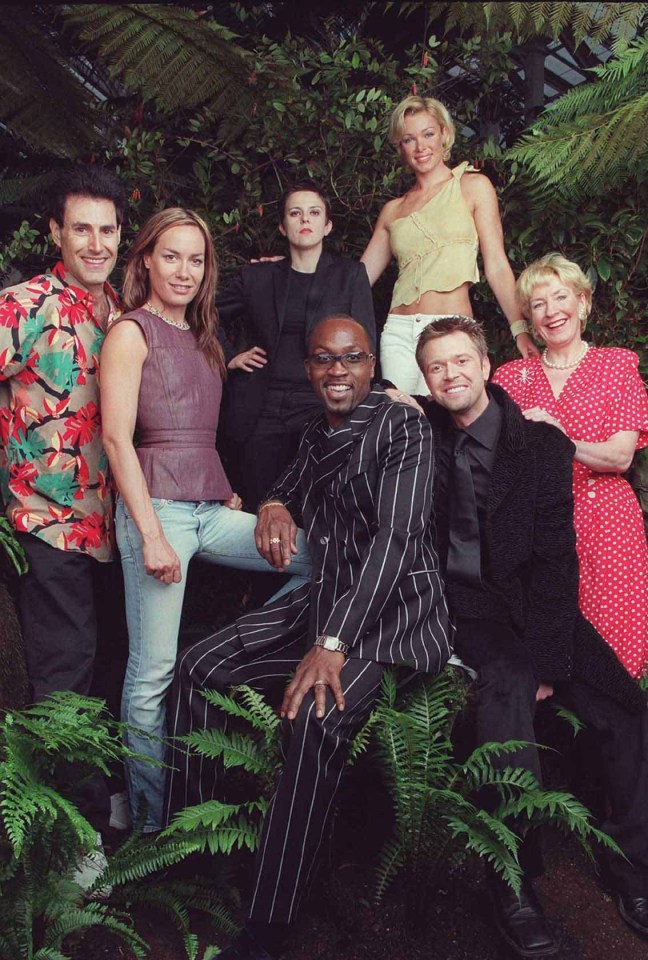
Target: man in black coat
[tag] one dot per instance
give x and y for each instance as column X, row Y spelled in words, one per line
column 361, row 487
column 507, row 542
column 269, row 399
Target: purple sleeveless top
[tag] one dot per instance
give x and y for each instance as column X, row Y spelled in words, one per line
column 177, row 415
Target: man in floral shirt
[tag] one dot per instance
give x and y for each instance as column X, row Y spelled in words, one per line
column 53, row 468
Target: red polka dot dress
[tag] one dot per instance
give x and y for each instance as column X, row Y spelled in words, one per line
column 602, row 396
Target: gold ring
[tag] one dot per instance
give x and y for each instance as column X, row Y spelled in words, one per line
column 275, row 539
column 320, row 683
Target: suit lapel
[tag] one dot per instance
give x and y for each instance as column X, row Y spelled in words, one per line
column 334, row 450
column 510, row 457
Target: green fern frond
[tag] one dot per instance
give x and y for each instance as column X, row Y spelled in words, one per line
column 146, row 857
column 594, row 134
column 211, row 952
column 32, row 68
column 8, row 541
column 234, row 749
column 568, row 716
column 93, row 915
column 169, row 54
column 49, row 953
column 391, row 860
column 219, row 826
column 254, row 708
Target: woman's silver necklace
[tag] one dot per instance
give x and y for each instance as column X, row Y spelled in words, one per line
column 179, row 324
column 565, row 366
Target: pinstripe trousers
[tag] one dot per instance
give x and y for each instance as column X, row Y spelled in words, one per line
column 314, row 751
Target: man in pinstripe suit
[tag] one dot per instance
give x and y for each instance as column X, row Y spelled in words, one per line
column 361, row 486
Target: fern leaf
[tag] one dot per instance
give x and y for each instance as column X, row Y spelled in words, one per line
column 391, row 859
column 234, row 749
column 594, row 134
column 93, row 915
column 169, row 54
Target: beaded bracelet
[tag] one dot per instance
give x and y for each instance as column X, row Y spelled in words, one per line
column 270, row 503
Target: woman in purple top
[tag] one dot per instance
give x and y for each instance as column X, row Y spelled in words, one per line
column 161, row 384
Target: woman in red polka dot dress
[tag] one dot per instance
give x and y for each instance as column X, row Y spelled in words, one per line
column 597, row 398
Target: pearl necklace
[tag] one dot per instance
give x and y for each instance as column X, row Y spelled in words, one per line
column 179, row 324
column 565, row 366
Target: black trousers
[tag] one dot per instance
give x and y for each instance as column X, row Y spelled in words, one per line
column 263, row 456
column 71, row 606
column 314, row 752
column 505, row 692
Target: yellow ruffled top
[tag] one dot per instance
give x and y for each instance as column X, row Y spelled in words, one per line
column 436, row 247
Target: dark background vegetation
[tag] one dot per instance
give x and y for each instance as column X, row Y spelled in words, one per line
column 219, row 107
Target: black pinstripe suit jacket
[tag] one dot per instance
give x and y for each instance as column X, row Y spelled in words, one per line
column 363, row 494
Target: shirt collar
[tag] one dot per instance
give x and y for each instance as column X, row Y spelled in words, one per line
column 61, row 273
column 486, row 428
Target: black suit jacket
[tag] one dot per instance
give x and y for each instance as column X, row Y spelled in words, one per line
column 258, row 296
column 364, row 498
column 531, row 553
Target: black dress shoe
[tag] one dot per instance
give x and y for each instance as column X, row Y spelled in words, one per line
column 244, row 947
column 634, row 910
column 519, row 919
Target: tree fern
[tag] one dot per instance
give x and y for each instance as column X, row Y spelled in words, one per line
column 615, row 23
column 593, row 136
column 167, row 53
column 32, row 67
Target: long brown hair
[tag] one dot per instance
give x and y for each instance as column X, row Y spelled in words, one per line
column 201, row 312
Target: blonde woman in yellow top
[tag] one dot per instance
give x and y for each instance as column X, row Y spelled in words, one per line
column 435, row 231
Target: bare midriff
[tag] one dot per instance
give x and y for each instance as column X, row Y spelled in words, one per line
column 437, row 302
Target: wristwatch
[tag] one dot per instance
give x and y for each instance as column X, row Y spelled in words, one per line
column 332, row 643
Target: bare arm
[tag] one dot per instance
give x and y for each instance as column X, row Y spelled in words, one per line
column 482, row 199
column 122, row 357
column 378, row 255
column 613, row 455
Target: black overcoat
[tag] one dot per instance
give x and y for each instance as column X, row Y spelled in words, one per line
column 531, row 553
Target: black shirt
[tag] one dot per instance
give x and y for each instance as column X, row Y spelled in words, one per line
column 480, row 449
column 289, row 370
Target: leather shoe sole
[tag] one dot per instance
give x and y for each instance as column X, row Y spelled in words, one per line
column 639, row 925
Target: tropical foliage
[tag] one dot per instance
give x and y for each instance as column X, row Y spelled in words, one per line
column 595, row 134
column 46, row 752
column 437, row 816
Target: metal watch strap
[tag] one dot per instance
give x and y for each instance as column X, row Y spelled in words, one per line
column 332, row 643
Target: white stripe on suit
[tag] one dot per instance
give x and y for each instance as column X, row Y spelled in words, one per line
column 363, row 493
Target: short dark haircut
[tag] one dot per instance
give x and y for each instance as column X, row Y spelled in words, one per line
column 86, row 181
column 342, row 317
column 312, row 187
column 452, row 324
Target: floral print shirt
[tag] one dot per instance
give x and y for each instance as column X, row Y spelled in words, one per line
column 53, row 468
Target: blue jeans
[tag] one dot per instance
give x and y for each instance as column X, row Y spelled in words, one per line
column 208, row 530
